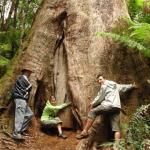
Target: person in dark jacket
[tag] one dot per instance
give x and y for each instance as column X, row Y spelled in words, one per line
column 23, row 113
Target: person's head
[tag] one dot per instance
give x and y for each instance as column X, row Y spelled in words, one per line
column 26, row 72
column 53, row 100
column 101, row 79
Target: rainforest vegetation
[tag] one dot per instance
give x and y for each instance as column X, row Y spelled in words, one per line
column 16, row 17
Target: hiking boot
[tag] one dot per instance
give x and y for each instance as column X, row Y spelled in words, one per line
column 63, row 136
column 82, row 135
column 18, row 137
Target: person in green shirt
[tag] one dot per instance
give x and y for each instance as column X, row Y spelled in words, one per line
column 50, row 115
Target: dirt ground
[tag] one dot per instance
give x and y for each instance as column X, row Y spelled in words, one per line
column 40, row 140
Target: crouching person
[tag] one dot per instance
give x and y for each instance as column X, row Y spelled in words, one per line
column 50, row 115
column 23, row 113
column 106, row 103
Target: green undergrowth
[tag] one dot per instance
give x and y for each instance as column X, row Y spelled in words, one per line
column 3, row 65
column 3, row 61
column 137, row 132
column 7, row 81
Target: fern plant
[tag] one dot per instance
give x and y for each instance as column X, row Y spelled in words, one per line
column 120, row 145
column 136, row 10
column 141, row 33
column 127, row 41
column 9, row 43
column 3, row 61
column 3, row 65
column 138, row 133
column 139, row 128
column 134, row 35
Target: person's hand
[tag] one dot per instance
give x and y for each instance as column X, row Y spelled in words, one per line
column 90, row 106
column 148, row 81
column 69, row 104
column 89, row 98
column 134, row 85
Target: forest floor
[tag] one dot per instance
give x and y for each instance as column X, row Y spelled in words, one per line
column 40, row 140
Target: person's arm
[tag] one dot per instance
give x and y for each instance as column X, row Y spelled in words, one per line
column 29, row 88
column 19, row 86
column 99, row 98
column 62, row 106
column 29, row 85
column 125, row 87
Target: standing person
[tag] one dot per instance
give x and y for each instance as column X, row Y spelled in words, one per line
column 50, row 115
column 107, row 102
column 23, row 113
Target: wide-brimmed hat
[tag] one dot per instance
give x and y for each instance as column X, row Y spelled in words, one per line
column 26, row 69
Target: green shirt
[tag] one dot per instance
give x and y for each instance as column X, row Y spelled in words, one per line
column 50, row 111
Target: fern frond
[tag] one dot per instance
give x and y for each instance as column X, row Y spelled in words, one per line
column 128, row 21
column 3, row 61
column 139, row 127
column 127, row 41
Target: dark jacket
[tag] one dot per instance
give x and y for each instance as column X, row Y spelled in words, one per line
column 21, row 88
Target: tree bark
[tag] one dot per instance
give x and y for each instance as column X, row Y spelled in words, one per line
column 66, row 56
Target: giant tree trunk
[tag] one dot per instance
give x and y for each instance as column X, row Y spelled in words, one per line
column 66, row 56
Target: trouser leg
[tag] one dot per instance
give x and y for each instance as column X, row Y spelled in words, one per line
column 19, row 114
column 27, row 118
column 93, row 113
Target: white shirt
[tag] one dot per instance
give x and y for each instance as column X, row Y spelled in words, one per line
column 109, row 94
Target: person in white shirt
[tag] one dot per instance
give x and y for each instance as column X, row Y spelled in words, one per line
column 107, row 102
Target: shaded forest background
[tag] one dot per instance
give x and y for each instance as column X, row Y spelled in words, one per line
column 132, row 34
column 16, row 19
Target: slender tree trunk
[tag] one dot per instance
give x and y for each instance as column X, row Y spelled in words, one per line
column 2, row 14
column 22, row 20
column 22, row 26
column 6, row 24
column 15, row 13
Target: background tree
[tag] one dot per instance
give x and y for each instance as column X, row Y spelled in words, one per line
column 16, row 20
